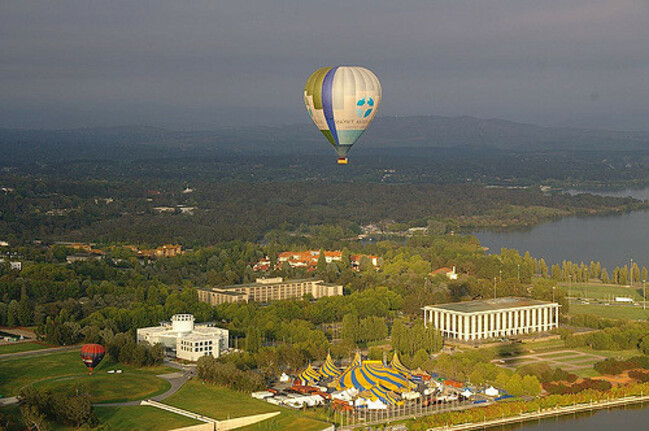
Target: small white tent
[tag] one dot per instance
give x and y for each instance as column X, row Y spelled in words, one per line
column 491, row 392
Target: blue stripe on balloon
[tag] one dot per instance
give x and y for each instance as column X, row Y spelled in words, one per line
column 327, row 101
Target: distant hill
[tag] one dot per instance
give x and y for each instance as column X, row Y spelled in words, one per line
column 414, row 132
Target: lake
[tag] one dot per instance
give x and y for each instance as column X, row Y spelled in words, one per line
column 630, row 418
column 613, row 239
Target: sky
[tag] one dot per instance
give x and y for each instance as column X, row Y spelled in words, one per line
column 210, row 64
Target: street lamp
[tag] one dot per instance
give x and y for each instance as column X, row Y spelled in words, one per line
column 553, row 287
column 495, row 296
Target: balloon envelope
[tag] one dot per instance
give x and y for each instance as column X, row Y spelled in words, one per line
column 342, row 101
column 92, row 354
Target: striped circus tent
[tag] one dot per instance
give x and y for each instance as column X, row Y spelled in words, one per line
column 383, row 395
column 309, row 376
column 344, row 376
column 329, row 369
column 397, row 365
column 368, row 374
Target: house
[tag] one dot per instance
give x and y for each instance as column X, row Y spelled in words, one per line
column 309, row 259
column 448, row 272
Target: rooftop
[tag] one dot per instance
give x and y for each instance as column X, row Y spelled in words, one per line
column 267, row 283
column 489, row 304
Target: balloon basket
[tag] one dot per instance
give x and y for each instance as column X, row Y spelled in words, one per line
column 343, row 160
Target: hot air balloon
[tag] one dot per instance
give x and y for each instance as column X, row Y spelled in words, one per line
column 91, row 355
column 342, row 101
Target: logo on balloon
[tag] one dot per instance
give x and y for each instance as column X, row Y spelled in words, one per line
column 364, row 107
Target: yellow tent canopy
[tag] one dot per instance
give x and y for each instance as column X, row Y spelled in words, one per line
column 309, row 376
column 329, row 369
column 368, row 374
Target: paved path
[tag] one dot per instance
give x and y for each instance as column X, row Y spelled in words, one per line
column 8, row 401
column 39, row 352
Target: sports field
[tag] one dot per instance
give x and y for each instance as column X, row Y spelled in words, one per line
column 221, row 403
column 602, row 291
column 632, row 312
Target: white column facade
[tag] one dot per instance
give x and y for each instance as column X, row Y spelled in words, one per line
column 493, row 323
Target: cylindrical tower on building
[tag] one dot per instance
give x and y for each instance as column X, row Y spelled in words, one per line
column 182, row 322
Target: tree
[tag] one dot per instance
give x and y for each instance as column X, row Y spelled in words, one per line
column 12, row 313
column 25, row 313
column 514, row 385
column 530, row 385
column 253, row 340
column 75, row 409
column 350, row 328
column 436, row 228
column 605, row 278
column 420, row 358
column 322, row 262
column 3, row 314
column 644, row 345
column 34, row 419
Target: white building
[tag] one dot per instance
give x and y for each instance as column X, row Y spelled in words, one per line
column 492, row 318
column 185, row 339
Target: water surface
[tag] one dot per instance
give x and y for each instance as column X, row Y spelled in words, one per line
column 613, row 239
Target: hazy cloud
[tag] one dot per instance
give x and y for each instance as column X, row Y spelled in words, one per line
column 209, row 63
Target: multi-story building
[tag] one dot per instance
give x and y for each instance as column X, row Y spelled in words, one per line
column 186, row 340
column 269, row 289
column 492, row 318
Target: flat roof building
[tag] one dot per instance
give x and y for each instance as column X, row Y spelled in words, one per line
column 492, row 318
column 269, row 289
column 185, row 339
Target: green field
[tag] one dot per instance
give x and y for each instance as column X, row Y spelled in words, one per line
column 50, row 369
column 611, row 311
column 602, row 291
column 21, row 347
column 102, row 387
column 221, row 403
column 142, row 418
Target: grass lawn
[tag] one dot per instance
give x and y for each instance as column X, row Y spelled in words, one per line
column 102, row 387
column 611, row 311
column 540, row 346
column 142, row 418
column 617, row 354
column 602, row 291
column 221, row 403
column 16, row 373
column 559, row 354
column 21, row 347
column 586, row 373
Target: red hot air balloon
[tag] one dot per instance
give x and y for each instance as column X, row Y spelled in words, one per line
column 91, row 355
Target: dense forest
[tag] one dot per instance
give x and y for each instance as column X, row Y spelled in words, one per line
column 155, row 212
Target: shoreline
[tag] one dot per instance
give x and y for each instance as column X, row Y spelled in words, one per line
column 544, row 414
